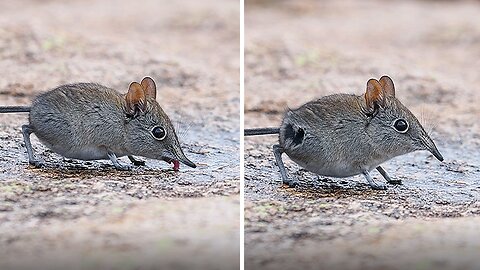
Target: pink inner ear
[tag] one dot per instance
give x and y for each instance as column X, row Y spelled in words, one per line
column 374, row 93
column 135, row 98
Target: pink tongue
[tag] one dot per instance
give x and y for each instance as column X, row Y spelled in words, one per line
column 176, row 165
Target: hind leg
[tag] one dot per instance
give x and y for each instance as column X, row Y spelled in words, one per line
column 278, row 151
column 26, row 131
column 387, row 177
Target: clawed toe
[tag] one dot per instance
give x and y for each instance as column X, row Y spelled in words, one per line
column 139, row 163
column 291, row 183
column 124, row 168
column 136, row 162
column 395, row 182
column 36, row 164
column 378, row 187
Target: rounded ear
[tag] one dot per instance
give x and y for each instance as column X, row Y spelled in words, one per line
column 387, row 85
column 374, row 95
column 135, row 99
column 150, row 88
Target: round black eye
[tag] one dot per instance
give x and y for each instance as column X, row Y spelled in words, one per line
column 159, row 133
column 401, row 125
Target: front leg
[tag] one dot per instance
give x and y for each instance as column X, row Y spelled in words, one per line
column 387, row 177
column 372, row 184
column 117, row 164
column 136, row 162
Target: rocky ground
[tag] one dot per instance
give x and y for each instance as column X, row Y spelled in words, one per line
column 297, row 51
column 86, row 215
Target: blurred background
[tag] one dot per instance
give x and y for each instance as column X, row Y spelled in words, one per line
column 298, row 51
column 85, row 215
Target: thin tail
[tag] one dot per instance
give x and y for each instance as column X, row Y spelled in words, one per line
column 14, row 109
column 261, row 131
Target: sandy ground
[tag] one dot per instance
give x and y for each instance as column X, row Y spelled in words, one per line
column 297, row 51
column 86, row 215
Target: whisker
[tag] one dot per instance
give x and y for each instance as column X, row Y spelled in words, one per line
column 182, row 125
column 428, row 122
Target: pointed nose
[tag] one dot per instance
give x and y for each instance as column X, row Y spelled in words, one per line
column 182, row 158
column 436, row 153
column 431, row 147
column 188, row 162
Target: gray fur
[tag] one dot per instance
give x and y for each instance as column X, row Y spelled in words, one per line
column 344, row 135
column 342, row 140
column 88, row 121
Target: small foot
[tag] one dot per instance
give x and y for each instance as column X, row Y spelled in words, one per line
column 136, row 162
column 372, row 183
column 139, row 163
column 376, row 186
column 290, row 182
column 394, row 181
column 36, row 163
column 387, row 177
column 117, row 164
column 122, row 167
